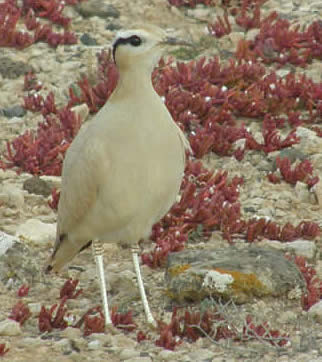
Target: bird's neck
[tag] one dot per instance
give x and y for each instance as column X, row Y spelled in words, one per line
column 132, row 83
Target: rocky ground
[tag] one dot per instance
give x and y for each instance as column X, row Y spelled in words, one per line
column 21, row 210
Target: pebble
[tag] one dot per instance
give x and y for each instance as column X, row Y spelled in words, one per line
column 316, row 311
column 93, row 345
column 201, row 355
column 124, row 281
column 7, row 174
column 167, row 355
column 304, row 248
column 12, row 196
column 86, row 39
column 63, row 346
column 97, row 8
column 37, row 232
column 13, row 69
column 14, row 111
column 6, row 242
column 9, row 327
column 251, row 34
column 30, row 342
column 287, row 317
column 139, row 359
column 129, row 353
column 120, row 340
column 302, row 192
column 300, row 247
column 34, row 308
column 82, row 111
column 53, row 181
column 37, row 186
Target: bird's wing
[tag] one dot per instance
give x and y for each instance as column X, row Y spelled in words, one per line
column 84, row 170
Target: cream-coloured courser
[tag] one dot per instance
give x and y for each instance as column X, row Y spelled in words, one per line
column 123, row 172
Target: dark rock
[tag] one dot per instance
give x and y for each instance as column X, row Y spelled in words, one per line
column 86, row 39
column 35, row 185
column 18, row 264
column 113, row 27
column 231, row 273
column 292, row 154
column 13, row 69
column 14, row 111
column 96, row 8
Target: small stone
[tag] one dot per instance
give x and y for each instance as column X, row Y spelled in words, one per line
column 30, row 342
column 34, row 308
column 120, row 340
column 63, row 346
column 12, row 196
column 201, row 13
column 13, row 69
column 166, row 355
column 71, row 333
column 37, row 232
column 201, row 355
column 9, row 327
column 235, row 37
column 317, row 189
column 113, row 27
column 6, row 242
column 218, row 281
column 92, row 345
column 304, row 248
column 53, row 181
column 82, row 111
column 302, row 192
column 305, row 133
column 251, row 34
column 316, row 311
column 18, row 264
column 97, row 8
column 292, row 154
column 318, row 269
column 287, row 317
column 140, row 359
column 14, row 111
column 37, row 186
column 86, row 39
column 128, row 353
column 7, row 174
column 124, row 282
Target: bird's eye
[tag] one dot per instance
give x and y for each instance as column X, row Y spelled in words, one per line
column 135, row 41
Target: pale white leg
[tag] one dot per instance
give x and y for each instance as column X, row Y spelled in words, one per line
column 146, row 307
column 98, row 256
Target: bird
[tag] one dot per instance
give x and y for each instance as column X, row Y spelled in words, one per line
column 122, row 173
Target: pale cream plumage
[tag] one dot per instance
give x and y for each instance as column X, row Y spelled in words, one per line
column 123, row 172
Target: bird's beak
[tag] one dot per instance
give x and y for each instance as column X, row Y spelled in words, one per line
column 174, row 41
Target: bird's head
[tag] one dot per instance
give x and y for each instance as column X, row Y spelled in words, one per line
column 141, row 47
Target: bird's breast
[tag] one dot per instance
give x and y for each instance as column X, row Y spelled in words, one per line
column 147, row 164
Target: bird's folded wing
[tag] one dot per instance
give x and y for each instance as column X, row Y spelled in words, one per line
column 83, row 173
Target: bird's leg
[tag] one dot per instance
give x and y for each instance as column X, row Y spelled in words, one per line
column 98, row 256
column 148, row 314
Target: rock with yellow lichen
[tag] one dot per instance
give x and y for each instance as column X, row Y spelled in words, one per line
column 231, row 273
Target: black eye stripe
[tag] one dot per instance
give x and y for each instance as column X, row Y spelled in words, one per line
column 134, row 40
